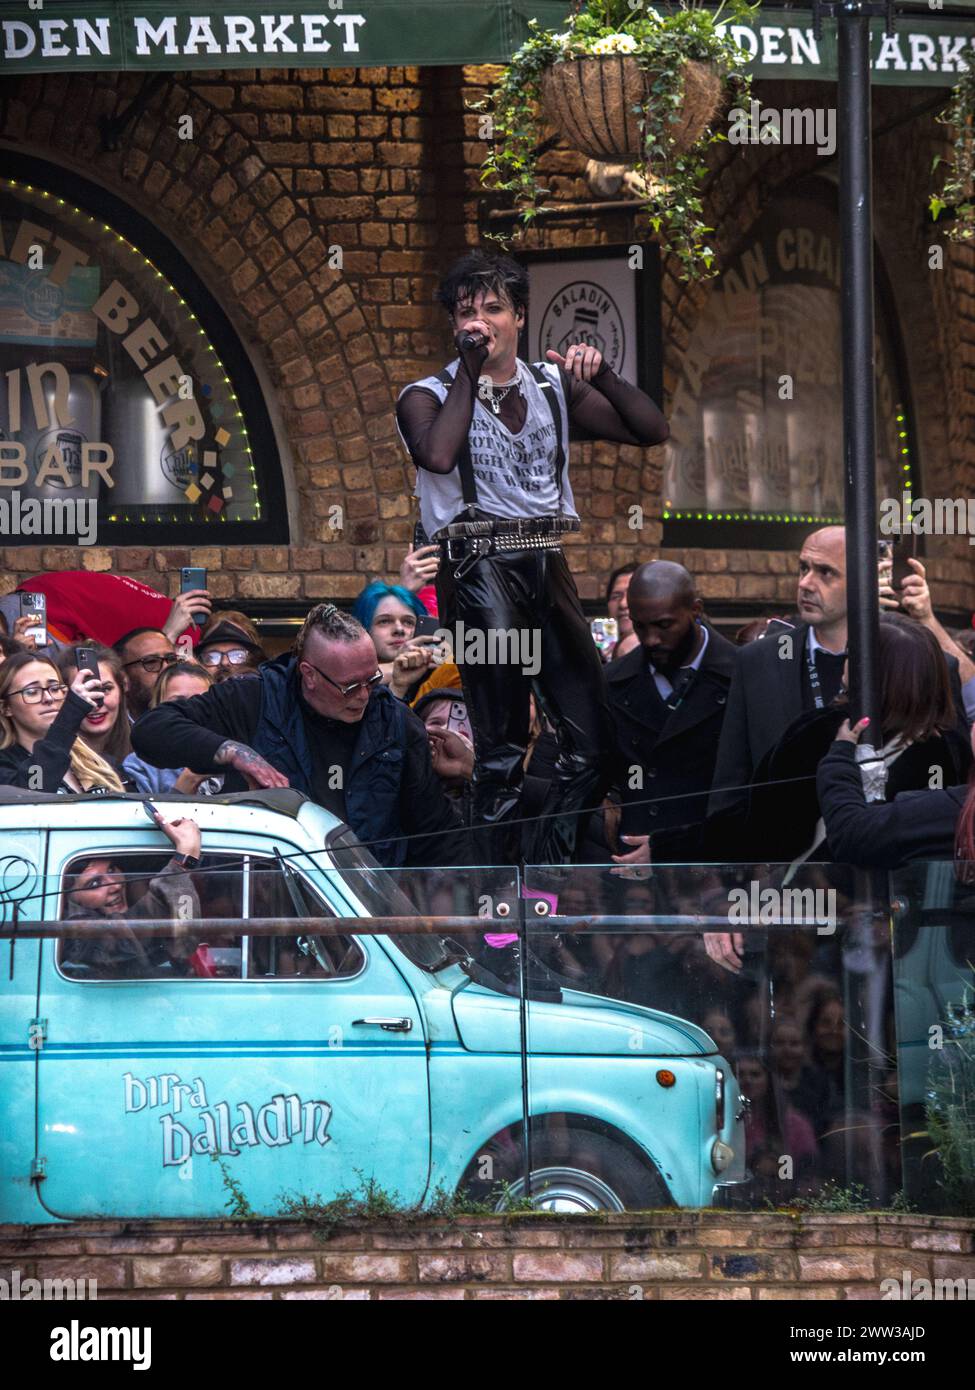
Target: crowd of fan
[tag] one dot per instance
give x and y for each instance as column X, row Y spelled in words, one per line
column 724, row 751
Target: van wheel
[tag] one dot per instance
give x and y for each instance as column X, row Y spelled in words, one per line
column 590, row 1173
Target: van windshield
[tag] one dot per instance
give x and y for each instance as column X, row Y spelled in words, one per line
column 382, row 893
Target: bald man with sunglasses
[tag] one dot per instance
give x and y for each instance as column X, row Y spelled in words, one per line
column 320, row 720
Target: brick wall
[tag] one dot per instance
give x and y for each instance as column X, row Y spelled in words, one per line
column 384, row 162
column 654, row 1255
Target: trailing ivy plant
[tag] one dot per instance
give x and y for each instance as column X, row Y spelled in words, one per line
column 661, row 42
column 950, row 1106
column 959, row 186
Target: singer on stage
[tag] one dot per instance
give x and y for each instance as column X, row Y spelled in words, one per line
column 490, row 439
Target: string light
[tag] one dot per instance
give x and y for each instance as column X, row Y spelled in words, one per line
column 145, row 262
column 669, row 513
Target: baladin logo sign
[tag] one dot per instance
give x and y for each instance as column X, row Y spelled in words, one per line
column 216, row 1129
column 583, row 312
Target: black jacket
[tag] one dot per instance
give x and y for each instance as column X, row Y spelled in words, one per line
column 766, row 697
column 675, row 750
column 883, row 835
column 44, row 769
column 191, row 731
column 783, row 807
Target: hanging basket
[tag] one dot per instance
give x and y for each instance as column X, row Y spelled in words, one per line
column 590, row 102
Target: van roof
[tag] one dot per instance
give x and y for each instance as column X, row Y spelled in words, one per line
column 284, row 800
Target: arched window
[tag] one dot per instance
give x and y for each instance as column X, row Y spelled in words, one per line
column 122, row 383
column 757, row 417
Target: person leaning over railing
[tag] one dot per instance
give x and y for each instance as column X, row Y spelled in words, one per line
column 40, row 719
column 321, row 721
column 936, row 824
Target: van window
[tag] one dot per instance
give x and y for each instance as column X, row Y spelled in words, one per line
column 277, row 892
column 122, row 890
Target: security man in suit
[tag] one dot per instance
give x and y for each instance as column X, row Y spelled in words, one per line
column 794, row 668
column 668, row 699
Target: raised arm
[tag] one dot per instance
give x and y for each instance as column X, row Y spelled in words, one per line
column 50, row 758
column 435, row 433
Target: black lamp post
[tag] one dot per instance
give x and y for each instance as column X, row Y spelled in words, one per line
column 859, row 431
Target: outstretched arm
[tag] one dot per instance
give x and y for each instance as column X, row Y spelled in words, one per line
column 604, row 406
column 208, row 733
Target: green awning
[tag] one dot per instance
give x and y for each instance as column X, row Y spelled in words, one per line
column 180, row 35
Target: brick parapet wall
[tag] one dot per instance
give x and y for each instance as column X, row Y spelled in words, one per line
column 654, row 1255
column 385, row 163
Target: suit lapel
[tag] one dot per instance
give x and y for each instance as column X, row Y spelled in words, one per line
column 708, row 691
column 790, row 675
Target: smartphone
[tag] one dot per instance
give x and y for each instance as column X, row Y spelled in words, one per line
column 193, row 577
column 904, row 550
column 85, row 660
column 150, row 811
column 34, row 606
column 605, row 633
column 427, row 626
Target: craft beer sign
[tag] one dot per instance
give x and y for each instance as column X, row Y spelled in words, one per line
column 111, row 394
column 118, row 35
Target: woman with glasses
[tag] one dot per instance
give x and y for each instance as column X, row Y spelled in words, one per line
column 40, row 725
column 106, row 729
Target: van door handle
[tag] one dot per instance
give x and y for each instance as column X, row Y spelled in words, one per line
column 388, row 1025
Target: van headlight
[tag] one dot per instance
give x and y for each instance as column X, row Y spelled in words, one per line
column 721, row 1156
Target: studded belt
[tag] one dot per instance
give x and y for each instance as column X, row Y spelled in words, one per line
column 467, row 542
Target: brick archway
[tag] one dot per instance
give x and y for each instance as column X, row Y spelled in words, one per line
column 238, row 199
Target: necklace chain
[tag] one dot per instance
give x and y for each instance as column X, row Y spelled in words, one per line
column 499, row 394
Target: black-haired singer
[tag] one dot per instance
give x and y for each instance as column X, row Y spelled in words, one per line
column 490, row 438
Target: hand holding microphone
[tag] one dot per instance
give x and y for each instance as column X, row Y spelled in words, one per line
column 473, row 346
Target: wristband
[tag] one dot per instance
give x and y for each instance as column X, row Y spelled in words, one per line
column 187, row 861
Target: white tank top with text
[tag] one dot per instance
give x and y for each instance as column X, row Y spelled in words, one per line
column 515, row 473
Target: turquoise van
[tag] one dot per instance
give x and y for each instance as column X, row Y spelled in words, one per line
column 306, row 1063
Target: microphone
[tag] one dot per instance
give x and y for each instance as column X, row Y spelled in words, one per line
column 469, row 342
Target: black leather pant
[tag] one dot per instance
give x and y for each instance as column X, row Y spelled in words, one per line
column 532, row 592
